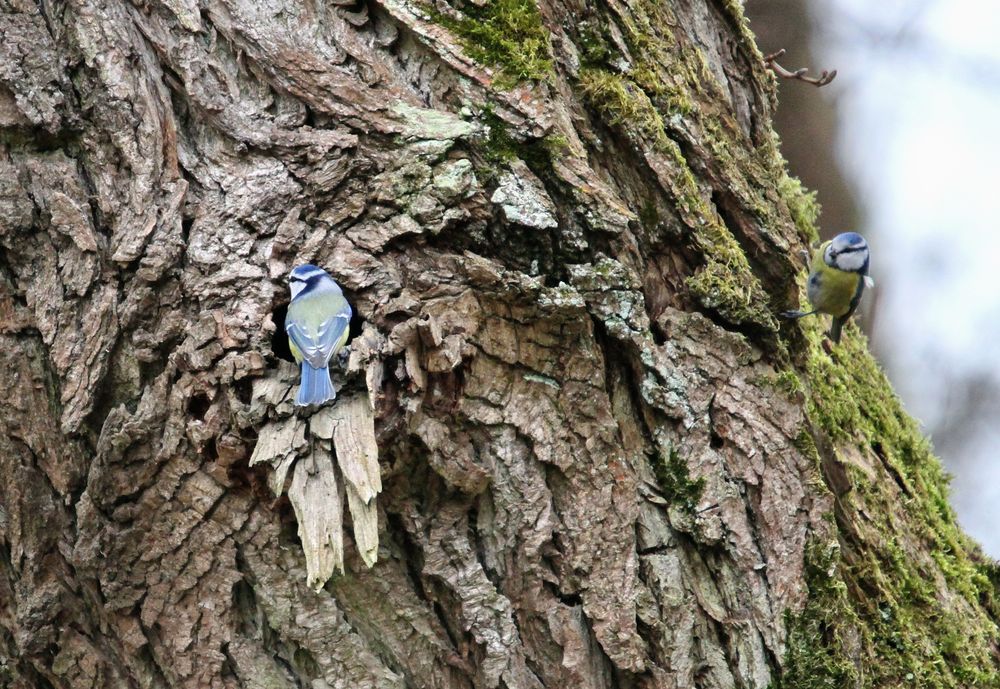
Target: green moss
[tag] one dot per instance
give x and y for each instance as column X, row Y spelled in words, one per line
column 649, row 216
column 670, row 81
column 500, row 147
column 900, row 636
column 803, row 207
column 506, row 34
column 906, row 603
column 906, row 629
column 726, row 284
column 674, row 480
column 806, row 444
column 786, row 380
column 669, row 87
column 622, row 103
column 914, row 605
column 592, row 44
column 988, row 583
column 852, row 399
column 540, row 154
column 719, row 287
column 819, row 636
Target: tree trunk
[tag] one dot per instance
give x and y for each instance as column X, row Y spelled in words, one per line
column 597, row 458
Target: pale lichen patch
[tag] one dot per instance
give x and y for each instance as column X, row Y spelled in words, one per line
column 522, row 199
column 424, row 123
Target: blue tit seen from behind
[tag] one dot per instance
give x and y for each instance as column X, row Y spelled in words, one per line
column 838, row 273
column 318, row 325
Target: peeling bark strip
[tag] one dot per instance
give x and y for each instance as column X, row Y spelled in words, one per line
column 337, row 439
column 575, row 447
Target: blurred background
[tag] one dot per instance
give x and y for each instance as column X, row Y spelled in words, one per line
column 903, row 146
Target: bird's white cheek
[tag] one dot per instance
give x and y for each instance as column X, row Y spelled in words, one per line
column 296, row 288
column 853, row 261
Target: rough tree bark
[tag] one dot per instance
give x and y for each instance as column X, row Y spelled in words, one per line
column 565, row 229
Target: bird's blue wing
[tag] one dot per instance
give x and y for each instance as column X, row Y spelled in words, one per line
column 333, row 333
column 318, row 346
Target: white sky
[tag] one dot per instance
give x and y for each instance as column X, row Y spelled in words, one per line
column 920, row 116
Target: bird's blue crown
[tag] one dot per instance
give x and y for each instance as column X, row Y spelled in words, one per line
column 850, row 238
column 305, row 272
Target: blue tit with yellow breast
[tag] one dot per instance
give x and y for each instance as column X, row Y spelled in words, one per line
column 318, row 324
column 838, row 274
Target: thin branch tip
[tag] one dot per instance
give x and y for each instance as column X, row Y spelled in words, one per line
column 800, row 74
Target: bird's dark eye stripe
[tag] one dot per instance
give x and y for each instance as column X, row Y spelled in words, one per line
column 852, row 249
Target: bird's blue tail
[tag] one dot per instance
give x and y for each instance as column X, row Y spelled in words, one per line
column 838, row 323
column 315, row 387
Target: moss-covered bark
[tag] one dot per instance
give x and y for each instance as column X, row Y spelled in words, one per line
column 566, row 228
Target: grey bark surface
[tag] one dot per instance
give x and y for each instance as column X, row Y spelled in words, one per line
column 532, row 348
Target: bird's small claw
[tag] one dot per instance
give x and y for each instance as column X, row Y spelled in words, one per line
column 343, row 355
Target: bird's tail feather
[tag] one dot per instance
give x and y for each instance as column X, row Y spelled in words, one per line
column 835, row 330
column 315, row 387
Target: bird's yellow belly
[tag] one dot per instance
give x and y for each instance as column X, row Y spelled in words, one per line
column 831, row 291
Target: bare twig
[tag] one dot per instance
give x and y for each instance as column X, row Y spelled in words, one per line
column 823, row 79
